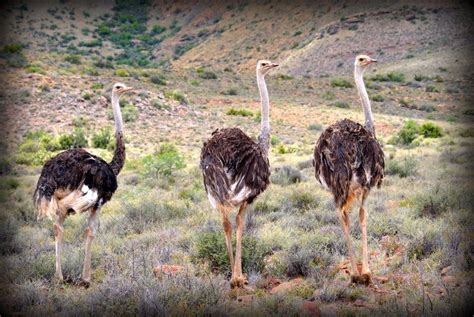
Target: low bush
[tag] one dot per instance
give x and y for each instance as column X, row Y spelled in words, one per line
column 340, row 104
column 431, row 88
column 102, row 138
column 341, row 82
column 177, row 95
column 239, row 112
column 122, row 72
column 230, row 92
column 73, row 59
column 158, row 80
column 164, row 162
column 394, row 76
column 129, row 112
column 76, row 139
column 407, row 133
column 378, row 98
column 403, row 168
column 286, row 175
column 315, row 127
column 211, row 248
column 431, row 130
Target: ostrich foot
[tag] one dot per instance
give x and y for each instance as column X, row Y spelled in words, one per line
column 365, row 279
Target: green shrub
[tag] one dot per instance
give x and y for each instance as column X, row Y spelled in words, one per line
column 157, row 29
column 394, row 76
column 13, row 48
column 122, row 72
column 431, row 88
column 163, row 162
column 230, row 92
column 284, row 149
column 340, row 104
column 402, row 168
column 129, row 112
column 77, row 139
column 102, row 138
column 158, row 80
column 408, row 132
column 87, row 95
column 329, row 95
column 207, row 75
column 378, row 98
column 177, row 95
column 239, row 112
column 73, row 59
column 286, row 175
column 315, row 127
column 211, row 248
column 35, row 69
column 302, row 200
column 285, row 77
column 36, row 148
column 341, row 82
column 431, row 130
column 97, row 86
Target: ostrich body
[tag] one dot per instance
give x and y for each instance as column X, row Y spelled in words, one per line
column 77, row 181
column 236, row 170
column 349, row 161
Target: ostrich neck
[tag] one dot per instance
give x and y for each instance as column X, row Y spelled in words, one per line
column 118, row 160
column 364, row 98
column 117, row 114
column 264, row 137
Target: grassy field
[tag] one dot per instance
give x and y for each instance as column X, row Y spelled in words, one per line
column 60, row 61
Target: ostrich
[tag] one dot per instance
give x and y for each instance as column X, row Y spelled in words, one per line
column 349, row 161
column 77, row 181
column 236, row 170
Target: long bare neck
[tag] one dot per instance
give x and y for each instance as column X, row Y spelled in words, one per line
column 364, row 99
column 264, row 137
column 119, row 155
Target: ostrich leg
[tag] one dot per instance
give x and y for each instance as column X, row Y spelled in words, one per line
column 89, row 235
column 58, row 237
column 238, row 280
column 228, row 234
column 345, row 222
column 363, row 225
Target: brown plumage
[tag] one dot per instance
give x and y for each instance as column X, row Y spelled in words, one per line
column 77, row 181
column 348, row 157
column 236, row 170
column 348, row 161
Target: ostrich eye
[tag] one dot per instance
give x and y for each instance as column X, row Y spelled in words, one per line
column 361, row 59
column 264, row 64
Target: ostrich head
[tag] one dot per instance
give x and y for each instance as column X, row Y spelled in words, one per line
column 120, row 89
column 264, row 66
column 362, row 61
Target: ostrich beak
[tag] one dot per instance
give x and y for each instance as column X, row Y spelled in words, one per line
column 275, row 65
column 127, row 89
column 372, row 61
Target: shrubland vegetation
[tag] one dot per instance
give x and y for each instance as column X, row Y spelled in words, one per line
column 420, row 223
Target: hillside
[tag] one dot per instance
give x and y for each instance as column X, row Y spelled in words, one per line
column 192, row 65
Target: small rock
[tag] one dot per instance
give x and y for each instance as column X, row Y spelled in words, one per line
column 286, row 286
column 311, row 308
